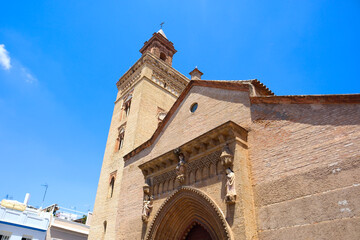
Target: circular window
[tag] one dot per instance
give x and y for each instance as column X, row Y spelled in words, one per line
column 193, row 107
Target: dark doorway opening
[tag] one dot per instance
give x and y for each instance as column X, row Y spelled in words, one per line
column 197, row 232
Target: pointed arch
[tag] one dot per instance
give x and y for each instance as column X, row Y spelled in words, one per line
column 182, row 209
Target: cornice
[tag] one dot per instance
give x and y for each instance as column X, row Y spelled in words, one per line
column 308, row 99
column 162, row 74
column 162, row 40
column 210, row 141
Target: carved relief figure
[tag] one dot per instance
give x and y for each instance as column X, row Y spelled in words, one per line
column 230, row 186
column 180, row 168
column 148, row 205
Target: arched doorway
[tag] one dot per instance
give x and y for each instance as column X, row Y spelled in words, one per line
column 187, row 214
column 196, row 232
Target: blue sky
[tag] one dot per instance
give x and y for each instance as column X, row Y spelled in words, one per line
column 60, row 60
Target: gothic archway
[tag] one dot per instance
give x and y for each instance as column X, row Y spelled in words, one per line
column 185, row 208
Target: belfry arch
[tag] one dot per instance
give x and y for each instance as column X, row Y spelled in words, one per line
column 185, row 208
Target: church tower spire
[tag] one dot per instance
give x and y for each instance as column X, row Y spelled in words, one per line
column 160, row 47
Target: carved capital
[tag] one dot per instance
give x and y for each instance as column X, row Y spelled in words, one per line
column 227, row 157
column 230, row 199
column 146, row 189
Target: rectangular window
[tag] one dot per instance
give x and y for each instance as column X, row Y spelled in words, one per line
column 4, row 237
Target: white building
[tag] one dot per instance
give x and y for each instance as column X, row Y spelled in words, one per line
column 18, row 222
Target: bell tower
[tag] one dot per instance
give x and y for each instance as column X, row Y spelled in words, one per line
column 160, row 47
column 146, row 92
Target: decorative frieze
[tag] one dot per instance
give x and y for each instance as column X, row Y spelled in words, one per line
column 161, row 74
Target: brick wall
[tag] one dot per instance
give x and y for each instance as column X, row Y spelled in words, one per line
column 306, row 170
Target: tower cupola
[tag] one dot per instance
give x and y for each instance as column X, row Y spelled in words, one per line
column 160, row 46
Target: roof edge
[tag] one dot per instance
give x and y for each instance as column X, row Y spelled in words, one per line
column 307, row 99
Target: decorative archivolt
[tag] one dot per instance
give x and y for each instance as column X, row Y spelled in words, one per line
column 184, row 207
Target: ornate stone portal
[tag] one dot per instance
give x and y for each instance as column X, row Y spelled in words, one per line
column 210, row 164
column 185, row 207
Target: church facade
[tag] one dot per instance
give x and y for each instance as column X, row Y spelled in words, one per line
column 198, row 159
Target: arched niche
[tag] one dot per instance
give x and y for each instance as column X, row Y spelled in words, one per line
column 181, row 210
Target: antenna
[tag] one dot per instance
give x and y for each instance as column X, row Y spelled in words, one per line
column 8, row 197
column 46, row 187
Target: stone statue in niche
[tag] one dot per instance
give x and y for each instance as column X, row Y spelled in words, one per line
column 148, row 203
column 230, row 187
column 180, row 168
column 147, row 207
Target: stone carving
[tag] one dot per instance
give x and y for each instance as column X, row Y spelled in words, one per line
column 205, row 161
column 230, row 187
column 226, row 157
column 147, row 207
column 148, row 203
column 180, row 168
column 165, row 177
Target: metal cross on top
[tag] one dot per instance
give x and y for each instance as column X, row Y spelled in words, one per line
column 161, row 24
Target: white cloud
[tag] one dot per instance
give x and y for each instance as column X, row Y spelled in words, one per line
column 18, row 70
column 4, row 58
column 27, row 75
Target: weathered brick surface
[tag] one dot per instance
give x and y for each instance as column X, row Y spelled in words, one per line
column 345, row 229
column 305, row 164
column 290, row 138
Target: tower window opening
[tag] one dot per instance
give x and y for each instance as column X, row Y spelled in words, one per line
column 163, row 56
column 121, row 138
column 105, row 225
column 127, row 107
column 111, row 187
